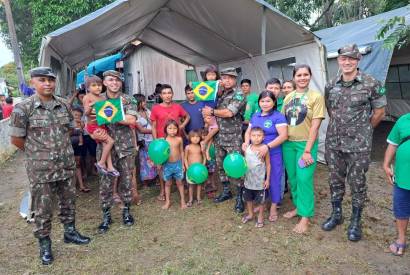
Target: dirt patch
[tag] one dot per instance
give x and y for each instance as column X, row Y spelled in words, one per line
column 209, row 239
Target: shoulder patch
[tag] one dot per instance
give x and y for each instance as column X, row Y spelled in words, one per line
column 238, row 96
column 382, row 90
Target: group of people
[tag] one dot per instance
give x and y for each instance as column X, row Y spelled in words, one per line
column 276, row 130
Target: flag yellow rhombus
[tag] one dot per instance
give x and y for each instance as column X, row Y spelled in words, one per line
column 106, row 113
column 199, row 90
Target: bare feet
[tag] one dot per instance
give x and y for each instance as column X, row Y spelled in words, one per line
column 183, row 205
column 166, row 206
column 302, row 226
column 161, row 197
column 290, row 214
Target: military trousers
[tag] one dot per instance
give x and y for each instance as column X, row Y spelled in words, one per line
column 42, row 195
column 124, row 165
column 221, row 152
column 300, row 179
column 350, row 167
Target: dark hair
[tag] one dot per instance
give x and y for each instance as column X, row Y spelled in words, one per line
column 301, row 66
column 77, row 109
column 291, row 82
column 272, row 81
column 188, row 88
column 165, row 86
column 267, row 94
column 9, row 100
column 193, row 133
column 210, row 69
column 257, row 129
column 92, row 79
column 170, row 122
column 139, row 98
column 246, row 81
column 157, row 88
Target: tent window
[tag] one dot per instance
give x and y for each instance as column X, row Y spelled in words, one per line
column 398, row 82
column 282, row 69
column 190, row 76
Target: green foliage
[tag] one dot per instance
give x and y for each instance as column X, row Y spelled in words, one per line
column 8, row 72
column 395, row 4
column 36, row 18
column 395, row 33
column 299, row 10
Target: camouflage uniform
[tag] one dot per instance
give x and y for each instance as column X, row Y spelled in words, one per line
column 349, row 133
column 123, row 157
column 229, row 137
column 49, row 156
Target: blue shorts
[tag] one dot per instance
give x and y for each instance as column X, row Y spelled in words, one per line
column 173, row 170
column 401, row 203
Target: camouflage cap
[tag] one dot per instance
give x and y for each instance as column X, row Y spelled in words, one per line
column 229, row 71
column 113, row 73
column 42, row 71
column 351, row 50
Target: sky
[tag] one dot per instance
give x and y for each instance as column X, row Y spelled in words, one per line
column 6, row 56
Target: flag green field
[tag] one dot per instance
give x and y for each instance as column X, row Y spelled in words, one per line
column 205, row 90
column 109, row 111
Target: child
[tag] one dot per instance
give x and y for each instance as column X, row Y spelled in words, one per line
column 257, row 177
column 194, row 153
column 209, row 148
column 77, row 142
column 98, row 133
column 173, row 168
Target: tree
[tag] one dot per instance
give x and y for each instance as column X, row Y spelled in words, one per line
column 36, row 18
column 395, row 33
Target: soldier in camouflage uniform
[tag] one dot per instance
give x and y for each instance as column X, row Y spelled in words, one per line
column 229, row 113
column 122, row 152
column 40, row 126
column 355, row 102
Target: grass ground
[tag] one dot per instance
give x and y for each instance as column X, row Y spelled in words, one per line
column 206, row 239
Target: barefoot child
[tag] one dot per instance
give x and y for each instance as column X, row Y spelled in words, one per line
column 173, row 168
column 98, row 133
column 257, row 177
column 193, row 154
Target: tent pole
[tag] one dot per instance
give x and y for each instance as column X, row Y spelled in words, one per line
column 263, row 31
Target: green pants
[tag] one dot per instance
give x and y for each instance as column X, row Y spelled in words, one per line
column 300, row 179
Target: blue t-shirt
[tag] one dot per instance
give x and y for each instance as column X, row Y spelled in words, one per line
column 195, row 112
column 269, row 124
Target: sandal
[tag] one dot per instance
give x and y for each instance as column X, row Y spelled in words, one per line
column 273, row 218
column 100, row 169
column 113, row 173
column 395, row 248
column 246, row 219
column 189, row 204
column 259, row 224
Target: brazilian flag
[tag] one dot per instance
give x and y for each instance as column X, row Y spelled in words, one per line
column 109, row 111
column 205, row 91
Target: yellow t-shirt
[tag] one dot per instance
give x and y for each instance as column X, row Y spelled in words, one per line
column 303, row 107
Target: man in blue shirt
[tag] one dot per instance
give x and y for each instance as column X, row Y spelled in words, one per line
column 194, row 109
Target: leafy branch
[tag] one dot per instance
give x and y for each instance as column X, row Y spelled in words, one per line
column 395, row 32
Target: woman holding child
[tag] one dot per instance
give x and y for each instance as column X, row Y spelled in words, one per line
column 304, row 110
column 274, row 127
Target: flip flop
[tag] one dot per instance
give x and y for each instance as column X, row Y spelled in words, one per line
column 273, row 218
column 397, row 247
column 246, row 219
column 85, row 190
column 113, row 173
column 259, row 224
column 101, row 170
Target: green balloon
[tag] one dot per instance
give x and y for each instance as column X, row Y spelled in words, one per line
column 159, row 150
column 197, row 173
column 235, row 165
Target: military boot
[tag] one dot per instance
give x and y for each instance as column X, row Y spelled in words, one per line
column 354, row 232
column 239, row 206
column 46, row 255
column 105, row 225
column 71, row 235
column 225, row 195
column 335, row 218
column 126, row 215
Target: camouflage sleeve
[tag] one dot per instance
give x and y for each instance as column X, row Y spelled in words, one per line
column 131, row 108
column 327, row 90
column 18, row 122
column 237, row 103
column 377, row 96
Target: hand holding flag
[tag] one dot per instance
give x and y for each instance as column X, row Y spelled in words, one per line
column 109, row 111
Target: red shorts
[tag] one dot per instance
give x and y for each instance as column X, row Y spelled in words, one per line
column 91, row 128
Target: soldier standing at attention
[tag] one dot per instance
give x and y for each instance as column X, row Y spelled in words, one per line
column 122, row 153
column 40, row 126
column 355, row 102
column 228, row 113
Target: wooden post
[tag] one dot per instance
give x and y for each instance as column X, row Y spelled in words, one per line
column 14, row 43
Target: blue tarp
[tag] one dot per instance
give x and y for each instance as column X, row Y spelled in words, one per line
column 363, row 33
column 100, row 65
